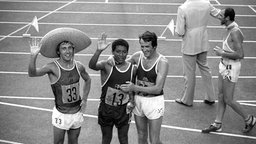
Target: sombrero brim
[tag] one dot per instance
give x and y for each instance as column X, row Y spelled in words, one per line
column 51, row 40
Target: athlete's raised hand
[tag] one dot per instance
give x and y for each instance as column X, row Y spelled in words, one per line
column 102, row 42
column 35, row 45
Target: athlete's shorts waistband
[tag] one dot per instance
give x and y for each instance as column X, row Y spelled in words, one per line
column 149, row 96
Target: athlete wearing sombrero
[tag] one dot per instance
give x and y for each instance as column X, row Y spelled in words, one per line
column 64, row 74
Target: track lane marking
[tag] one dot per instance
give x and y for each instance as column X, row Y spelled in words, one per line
column 107, row 55
column 9, row 142
column 242, row 102
column 97, row 75
column 164, row 126
column 118, row 3
column 252, row 8
column 37, row 19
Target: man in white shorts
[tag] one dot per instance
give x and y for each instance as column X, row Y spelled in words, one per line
column 229, row 68
column 149, row 99
column 64, row 74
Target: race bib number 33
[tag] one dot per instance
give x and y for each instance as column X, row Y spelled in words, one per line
column 70, row 93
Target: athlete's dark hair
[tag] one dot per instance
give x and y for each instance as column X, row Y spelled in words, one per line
column 120, row 42
column 230, row 12
column 149, row 36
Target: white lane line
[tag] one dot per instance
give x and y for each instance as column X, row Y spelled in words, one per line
column 118, row 3
column 248, row 104
column 93, row 12
column 217, row 2
column 24, row 106
column 98, row 12
column 9, row 142
column 217, row 133
column 136, row 39
column 97, row 75
column 252, row 8
column 17, row 73
column 242, row 102
column 38, row 19
column 107, row 55
column 114, row 25
column 164, row 126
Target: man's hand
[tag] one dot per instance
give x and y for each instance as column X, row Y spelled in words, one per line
column 129, row 86
column 219, row 51
column 35, row 45
column 83, row 106
column 102, row 42
column 129, row 107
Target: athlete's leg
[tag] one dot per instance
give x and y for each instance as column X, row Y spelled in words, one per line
column 123, row 134
column 73, row 135
column 228, row 91
column 206, row 76
column 142, row 129
column 59, row 135
column 106, row 134
column 221, row 107
column 154, row 130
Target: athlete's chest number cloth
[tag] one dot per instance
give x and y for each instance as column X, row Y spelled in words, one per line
column 116, row 97
column 69, row 93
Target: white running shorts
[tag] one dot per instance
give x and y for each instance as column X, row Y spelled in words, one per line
column 151, row 107
column 230, row 69
column 67, row 121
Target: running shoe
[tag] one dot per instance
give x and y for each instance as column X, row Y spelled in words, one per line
column 213, row 128
column 209, row 102
column 249, row 126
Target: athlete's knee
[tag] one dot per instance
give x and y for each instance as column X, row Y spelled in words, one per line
column 142, row 137
column 123, row 134
column 58, row 141
column 228, row 100
column 123, row 139
column 106, row 140
column 73, row 135
column 155, row 140
column 142, row 133
column 73, row 141
column 107, row 137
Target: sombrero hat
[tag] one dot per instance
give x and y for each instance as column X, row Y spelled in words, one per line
column 51, row 40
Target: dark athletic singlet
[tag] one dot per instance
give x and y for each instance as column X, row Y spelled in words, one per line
column 66, row 90
column 111, row 93
column 147, row 77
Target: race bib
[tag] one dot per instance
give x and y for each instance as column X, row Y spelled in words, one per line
column 57, row 118
column 59, row 121
column 116, row 97
column 70, row 93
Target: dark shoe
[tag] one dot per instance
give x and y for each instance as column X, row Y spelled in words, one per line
column 180, row 102
column 248, row 127
column 209, row 102
column 213, row 128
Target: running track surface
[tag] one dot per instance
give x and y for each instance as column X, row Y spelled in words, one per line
column 26, row 103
